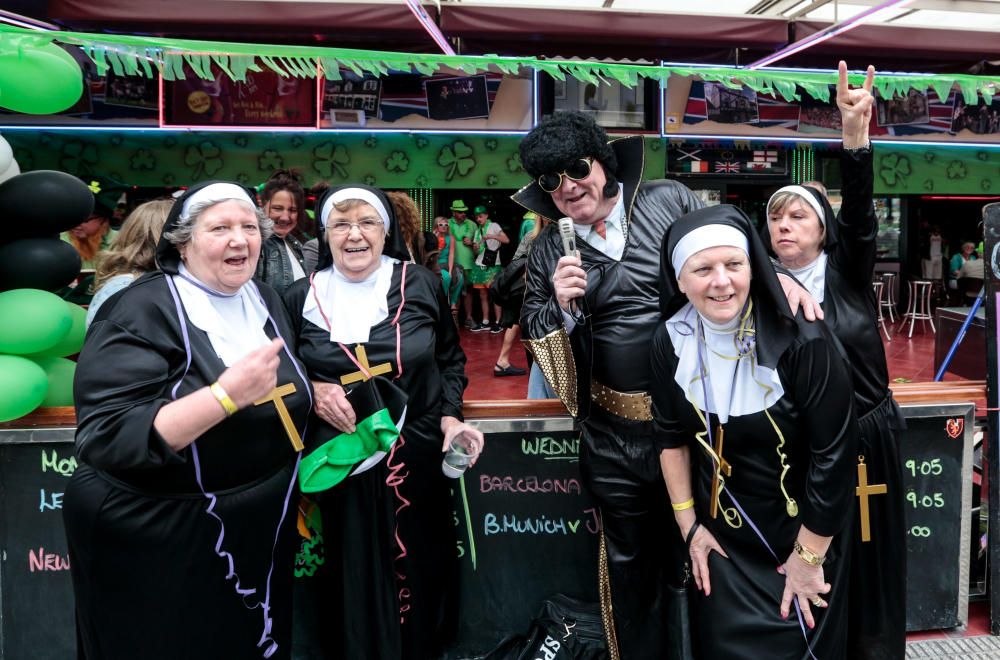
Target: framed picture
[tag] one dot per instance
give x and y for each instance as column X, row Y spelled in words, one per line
column 981, row 119
column 903, row 110
column 352, row 92
column 731, row 106
column 457, row 98
column 818, row 117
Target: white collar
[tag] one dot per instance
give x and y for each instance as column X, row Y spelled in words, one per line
column 736, row 385
column 351, row 308
column 234, row 322
column 813, row 277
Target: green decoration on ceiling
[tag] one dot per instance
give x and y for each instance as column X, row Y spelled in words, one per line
column 145, row 55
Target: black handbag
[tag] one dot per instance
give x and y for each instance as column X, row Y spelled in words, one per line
column 490, row 258
column 565, row 629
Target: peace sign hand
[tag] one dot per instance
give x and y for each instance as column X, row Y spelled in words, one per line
column 855, row 107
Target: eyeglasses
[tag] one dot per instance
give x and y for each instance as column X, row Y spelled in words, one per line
column 577, row 171
column 367, row 226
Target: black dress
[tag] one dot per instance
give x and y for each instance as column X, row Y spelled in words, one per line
column 740, row 619
column 391, row 562
column 878, row 576
column 147, row 578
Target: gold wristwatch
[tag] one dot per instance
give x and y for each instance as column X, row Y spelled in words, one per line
column 808, row 556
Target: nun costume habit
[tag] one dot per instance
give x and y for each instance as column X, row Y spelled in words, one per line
column 182, row 554
column 763, row 402
column 388, row 587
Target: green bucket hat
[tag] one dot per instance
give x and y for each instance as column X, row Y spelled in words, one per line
column 331, row 455
column 459, row 205
column 480, row 209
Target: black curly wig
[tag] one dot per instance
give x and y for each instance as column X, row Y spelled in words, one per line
column 564, row 137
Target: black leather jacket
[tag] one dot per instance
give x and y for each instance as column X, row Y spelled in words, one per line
column 274, row 267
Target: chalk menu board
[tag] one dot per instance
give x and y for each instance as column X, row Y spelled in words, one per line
column 936, row 452
column 527, row 530
column 36, row 595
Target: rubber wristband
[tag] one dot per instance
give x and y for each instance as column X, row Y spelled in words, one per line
column 683, row 506
column 220, row 395
column 691, row 533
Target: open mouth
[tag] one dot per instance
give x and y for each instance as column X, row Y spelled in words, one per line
column 355, row 250
column 721, row 299
column 236, row 261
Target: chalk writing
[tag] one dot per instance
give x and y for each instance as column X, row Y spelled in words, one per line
column 51, row 461
column 531, row 484
column 49, row 501
column 46, row 561
column 551, row 447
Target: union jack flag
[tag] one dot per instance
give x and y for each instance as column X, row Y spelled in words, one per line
column 727, row 166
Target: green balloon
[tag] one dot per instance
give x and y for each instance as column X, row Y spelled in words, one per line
column 22, row 386
column 59, row 373
column 37, row 79
column 72, row 342
column 32, row 320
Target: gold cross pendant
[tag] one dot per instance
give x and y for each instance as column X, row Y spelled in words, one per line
column 724, row 468
column 276, row 397
column 863, row 491
column 362, row 356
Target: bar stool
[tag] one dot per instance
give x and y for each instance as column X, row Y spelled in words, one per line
column 919, row 307
column 879, row 293
column 889, row 301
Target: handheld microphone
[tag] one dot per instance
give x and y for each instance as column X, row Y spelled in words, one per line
column 568, row 237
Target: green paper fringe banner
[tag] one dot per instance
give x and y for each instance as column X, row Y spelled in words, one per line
column 140, row 55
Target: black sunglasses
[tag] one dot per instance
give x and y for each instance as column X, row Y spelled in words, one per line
column 577, row 171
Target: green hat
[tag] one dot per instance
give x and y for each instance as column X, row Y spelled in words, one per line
column 530, row 215
column 459, row 205
column 107, row 195
column 480, row 209
column 380, row 407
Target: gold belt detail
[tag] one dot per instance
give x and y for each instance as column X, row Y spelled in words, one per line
column 635, row 406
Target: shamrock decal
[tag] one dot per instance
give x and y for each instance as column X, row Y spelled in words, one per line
column 330, row 160
column 654, row 145
column 204, row 159
column 492, row 180
column 143, row 159
column 928, row 185
column 422, row 142
column 243, row 178
column 983, row 155
column 25, row 159
column 369, row 180
column 956, row 170
column 929, row 156
column 421, row 181
column 491, row 144
column 168, row 179
column 371, row 142
column 78, row 157
column 169, row 141
column 985, row 184
column 297, row 141
column 397, row 162
column 514, row 164
column 269, row 161
column 115, row 140
column 894, row 168
column 241, row 141
column 456, row 158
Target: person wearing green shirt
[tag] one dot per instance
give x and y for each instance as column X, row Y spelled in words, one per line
column 463, row 232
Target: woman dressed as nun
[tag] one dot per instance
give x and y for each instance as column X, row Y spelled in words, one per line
column 834, row 257
column 387, row 589
column 758, row 442
column 190, row 406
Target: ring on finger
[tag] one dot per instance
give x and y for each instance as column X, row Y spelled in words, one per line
column 817, row 601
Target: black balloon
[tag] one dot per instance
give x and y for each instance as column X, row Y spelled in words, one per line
column 41, row 203
column 38, row 263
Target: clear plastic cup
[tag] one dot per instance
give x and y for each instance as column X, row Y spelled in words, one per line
column 461, row 452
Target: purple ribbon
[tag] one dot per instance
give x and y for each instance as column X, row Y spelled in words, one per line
column 743, row 513
column 266, row 641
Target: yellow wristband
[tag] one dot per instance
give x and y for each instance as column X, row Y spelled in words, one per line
column 683, row 505
column 220, row 395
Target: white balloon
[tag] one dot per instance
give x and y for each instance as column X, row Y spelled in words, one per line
column 8, row 166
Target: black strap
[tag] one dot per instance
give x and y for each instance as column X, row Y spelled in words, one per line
column 691, row 533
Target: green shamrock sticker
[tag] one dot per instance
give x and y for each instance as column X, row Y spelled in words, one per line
column 894, row 168
column 78, row 157
column 514, row 164
column 204, row 158
column 269, row 161
column 330, row 160
column 457, row 158
column 397, row 162
column 143, row 159
column 956, row 170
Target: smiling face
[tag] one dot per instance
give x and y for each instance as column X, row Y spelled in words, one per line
column 281, row 208
column 482, row 219
column 717, row 282
column 356, row 253
column 584, row 200
column 796, row 233
column 224, row 246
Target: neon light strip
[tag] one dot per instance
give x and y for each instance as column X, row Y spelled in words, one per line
column 18, row 20
column 432, row 29
column 170, row 128
column 761, row 138
column 828, row 33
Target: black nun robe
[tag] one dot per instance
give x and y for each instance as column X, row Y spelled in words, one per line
column 741, row 619
column 878, row 574
column 388, row 587
column 156, row 555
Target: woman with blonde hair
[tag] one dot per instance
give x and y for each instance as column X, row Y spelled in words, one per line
column 132, row 253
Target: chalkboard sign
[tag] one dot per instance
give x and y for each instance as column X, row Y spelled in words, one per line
column 36, row 595
column 936, row 452
column 527, row 530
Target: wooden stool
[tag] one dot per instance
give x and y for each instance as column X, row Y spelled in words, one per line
column 880, row 321
column 889, row 300
column 919, row 307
